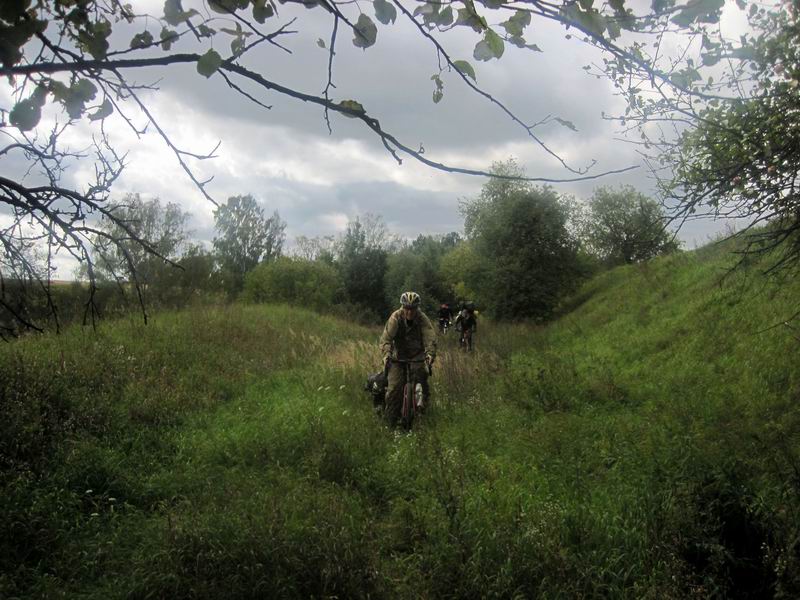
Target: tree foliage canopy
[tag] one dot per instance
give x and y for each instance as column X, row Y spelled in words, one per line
column 297, row 281
column 624, row 226
column 361, row 260
column 245, row 238
column 417, row 267
column 520, row 232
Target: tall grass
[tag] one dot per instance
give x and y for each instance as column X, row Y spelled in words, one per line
column 646, row 445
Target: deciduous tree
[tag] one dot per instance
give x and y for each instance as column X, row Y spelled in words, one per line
column 361, row 260
column 530, row 258
column 120, row 256
column 245, row 238
column 624, row 226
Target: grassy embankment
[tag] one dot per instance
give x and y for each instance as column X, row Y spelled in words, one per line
column 646, row 445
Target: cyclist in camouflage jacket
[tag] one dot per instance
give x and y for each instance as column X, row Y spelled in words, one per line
column 408, row 335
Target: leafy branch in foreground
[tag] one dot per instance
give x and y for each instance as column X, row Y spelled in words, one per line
column 735, row 157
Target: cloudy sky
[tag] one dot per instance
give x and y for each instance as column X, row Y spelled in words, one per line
column 287, row 159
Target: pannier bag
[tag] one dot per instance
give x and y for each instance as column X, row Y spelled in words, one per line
column 376, row 385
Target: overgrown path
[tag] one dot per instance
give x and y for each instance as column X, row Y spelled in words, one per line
column 645, row 445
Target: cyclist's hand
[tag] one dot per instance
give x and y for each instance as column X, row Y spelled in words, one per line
column 429, row 358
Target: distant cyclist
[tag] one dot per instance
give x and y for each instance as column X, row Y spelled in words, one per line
column 408, row 335
column 445, row 315
column 467, row 324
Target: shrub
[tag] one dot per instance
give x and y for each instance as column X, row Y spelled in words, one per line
column 294, row 281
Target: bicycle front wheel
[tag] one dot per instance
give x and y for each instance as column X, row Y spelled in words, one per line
column 407, row 413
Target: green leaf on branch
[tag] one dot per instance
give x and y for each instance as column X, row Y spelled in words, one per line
column 522, row 17
column 13, row 38
column 588, row 20
column 438, row 93
column 565, row 123
column 237, row 46
column 365, row 32
column 352, row 106
column 168, row 37
column 84, row 90
column 26, row 113
column 426, row 10
column 227, row 7
column 613, row 27
column 174, row 13
column 660, row 6
column 142, row 40
column 384, row 11
column 209, row 63
column 75, row 97
column 520, row 42
column 465, row 68
column 445, row 17
column 105, row 109
column 702, row 11
column 680, row 80
column 482, row 51
column 513, row 28
column 262, row 11
column 491, row 46
column 469, row 17
column 618, row 6
column 94, row 38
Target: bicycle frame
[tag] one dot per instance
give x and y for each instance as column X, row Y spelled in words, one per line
column 466, row 339
column 412, row 392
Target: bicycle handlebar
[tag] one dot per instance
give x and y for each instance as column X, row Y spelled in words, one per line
column 409, row 362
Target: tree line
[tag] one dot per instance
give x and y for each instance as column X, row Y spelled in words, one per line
column 524, row 248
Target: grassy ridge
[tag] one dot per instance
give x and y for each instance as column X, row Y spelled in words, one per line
column 645, row 445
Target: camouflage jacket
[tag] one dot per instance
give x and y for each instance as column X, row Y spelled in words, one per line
column 408, row 340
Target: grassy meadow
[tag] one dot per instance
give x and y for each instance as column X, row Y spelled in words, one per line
column 644, row 445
